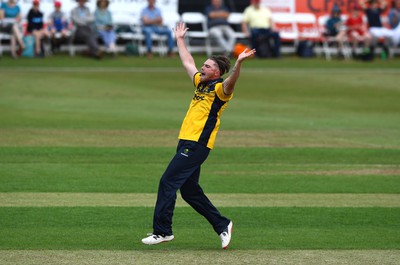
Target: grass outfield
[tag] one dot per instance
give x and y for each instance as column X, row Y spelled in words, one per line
column 307, row 162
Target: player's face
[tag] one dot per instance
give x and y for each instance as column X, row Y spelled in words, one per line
column 209, row 71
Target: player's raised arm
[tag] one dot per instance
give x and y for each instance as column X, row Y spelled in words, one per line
column 230, row 81
column 186, row 57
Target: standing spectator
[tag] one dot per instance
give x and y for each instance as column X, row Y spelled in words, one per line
column 10, row 18
column 83, row 21
column 219, row 28
column 104, row 25
column 357, row 31
column 36, row 27
column 257, row 24
column 374, row 9
column 152, row 23
column 334, row 28
column 57, row 26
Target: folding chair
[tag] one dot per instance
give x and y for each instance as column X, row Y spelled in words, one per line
column 5, row 36
column 285, row 23
column 198, row 22
column 128, row 29
column 170, row 19
column 235, row 20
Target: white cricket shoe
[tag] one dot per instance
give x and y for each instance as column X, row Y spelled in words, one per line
column 153, row 239
column 226, row 236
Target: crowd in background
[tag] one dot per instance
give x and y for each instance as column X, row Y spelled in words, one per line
column 97, row 30
column 368, row 33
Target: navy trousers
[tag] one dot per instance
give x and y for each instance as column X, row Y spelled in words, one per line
column 267, row 33
column 183, row 173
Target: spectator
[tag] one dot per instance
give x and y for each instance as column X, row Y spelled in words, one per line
column 36, row 27
column 257, row 24
column 334, row 28
column 57, row 26
column 10, row 18
column 219, row 28
column 83, row 21
column 357, row 31
column 104, row 25
column 152, row 23
column 374, row 9
column 394, row 14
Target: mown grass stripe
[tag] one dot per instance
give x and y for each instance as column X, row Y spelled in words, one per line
column 27, row 199
column 309, row 257
column 178, row 69
column 122, row 228
column 167, row 138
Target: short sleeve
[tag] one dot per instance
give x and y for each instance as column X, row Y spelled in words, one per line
column 219, row 90
column 196, row 79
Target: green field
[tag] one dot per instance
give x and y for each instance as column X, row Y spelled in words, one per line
column 306, row 164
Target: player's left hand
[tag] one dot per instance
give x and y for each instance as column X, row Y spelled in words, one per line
column 246, row 54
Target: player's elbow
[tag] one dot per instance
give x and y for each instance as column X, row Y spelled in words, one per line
column 228, row 89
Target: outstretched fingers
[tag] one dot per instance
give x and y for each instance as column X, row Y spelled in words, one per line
column 180, row 30
column 247, row 53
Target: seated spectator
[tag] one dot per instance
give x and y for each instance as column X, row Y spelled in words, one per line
column 83, row 21
column 357, row 31
column 10, row 18
column 257, row 24
column 152, row 23
column 219, row 28
column 36, row 27
column 334, row 28
column 57, row 26
column 104, row 25
column 374, row 9
column 394, row 21
column 394, row 14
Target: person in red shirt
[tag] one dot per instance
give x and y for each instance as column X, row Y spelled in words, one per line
column 357, row 31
